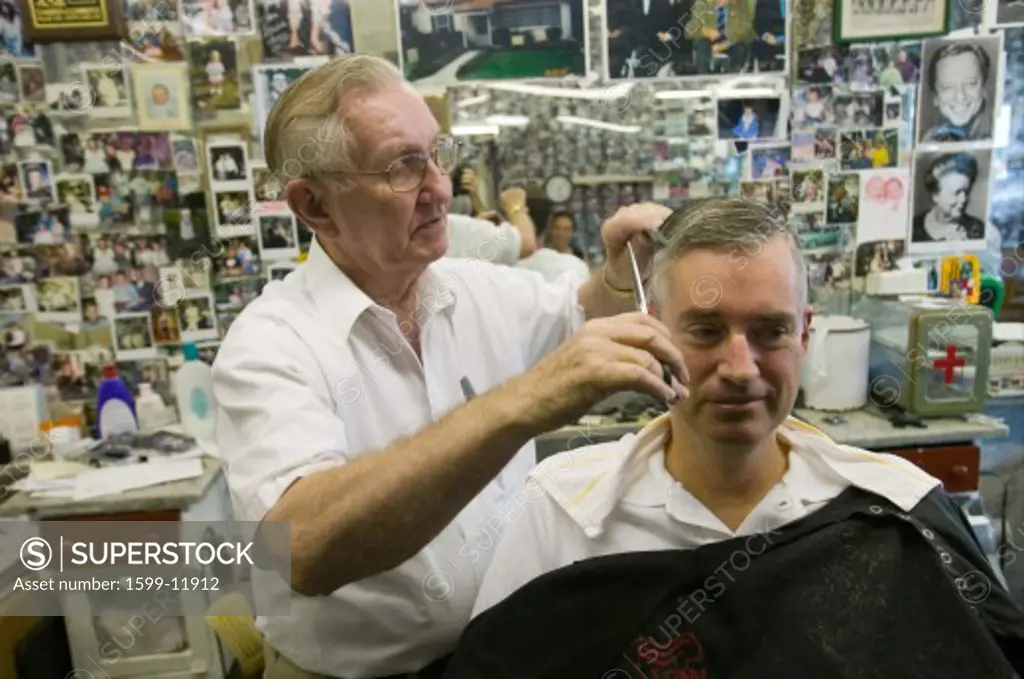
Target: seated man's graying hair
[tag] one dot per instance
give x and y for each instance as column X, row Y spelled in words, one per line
column 738, row 224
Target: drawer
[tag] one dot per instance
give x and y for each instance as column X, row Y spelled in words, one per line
column 958, row 467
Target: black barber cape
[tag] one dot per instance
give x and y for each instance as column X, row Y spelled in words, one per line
column 857, row 590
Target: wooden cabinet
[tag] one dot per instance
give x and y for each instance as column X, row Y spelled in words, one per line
column 957, row 466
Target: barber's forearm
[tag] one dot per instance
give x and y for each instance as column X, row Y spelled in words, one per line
column 376, row 512
column 599, row 300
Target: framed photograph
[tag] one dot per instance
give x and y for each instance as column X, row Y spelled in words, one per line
column 197, row 319
column 232, row 213
column 751, row 119
column 278, row 236
column 161, row 96
column 218, row 17
column 268, row 82
column 960, row 89
column 292, row 28
column 268, row 188
column 157, row 42
column 9, row 91
column 78, row 193
column 15, row 44
column 662, row 39
column 769, row 162
column 80, row 21
column 37, row 179
column 59, row 300
column 32, row 82
column 950, row 201
column 516, row 40
column 109, row 90
column 226, row 163
column 214, row 74
column 133, row 337
column 870, row 21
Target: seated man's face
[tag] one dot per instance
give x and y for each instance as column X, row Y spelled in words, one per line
column 959, row 88
column 738, row 316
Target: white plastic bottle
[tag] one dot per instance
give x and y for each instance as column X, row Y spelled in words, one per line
column 193, row 389
column 149, row 408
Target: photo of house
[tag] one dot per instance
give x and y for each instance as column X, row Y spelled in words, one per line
column 472, row 40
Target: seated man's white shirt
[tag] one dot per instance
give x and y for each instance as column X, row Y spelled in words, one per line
column 480, row 239
column 552, row 265
column 618, row 497
column 313, row 374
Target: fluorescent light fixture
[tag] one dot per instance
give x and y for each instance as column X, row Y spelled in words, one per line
column 613, row 91
column 598, row 124
column 507, row 121
column 684, row 94
column 744, row 93
column 474, row 101
column 475, row 129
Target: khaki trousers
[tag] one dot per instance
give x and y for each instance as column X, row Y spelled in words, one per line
column 280, row 667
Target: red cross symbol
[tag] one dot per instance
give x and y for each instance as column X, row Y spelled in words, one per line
column 949, row 363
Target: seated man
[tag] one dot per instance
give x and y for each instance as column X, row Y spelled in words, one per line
column 728, row 539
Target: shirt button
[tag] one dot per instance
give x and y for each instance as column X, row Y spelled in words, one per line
column 946, row 558
column 875, row 509
column 928, row 534
column 784, row 504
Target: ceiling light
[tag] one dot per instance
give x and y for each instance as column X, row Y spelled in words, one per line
column 598, row 124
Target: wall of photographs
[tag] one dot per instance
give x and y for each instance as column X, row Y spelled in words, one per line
column 136, row 212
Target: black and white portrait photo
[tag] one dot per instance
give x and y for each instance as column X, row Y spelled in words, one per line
column 950, row 199
column 227, row 163
column 278, row 236
column 958, row 89
column 672, row 38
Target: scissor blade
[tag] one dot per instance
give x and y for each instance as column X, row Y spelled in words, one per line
column 638, row 281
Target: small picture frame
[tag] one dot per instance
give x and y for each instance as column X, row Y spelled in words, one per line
column 870, row 21
column 197, row 319
column 161, row 93
column 268, row 82
column 278, row 235
column 109, row 90
column 133, row 336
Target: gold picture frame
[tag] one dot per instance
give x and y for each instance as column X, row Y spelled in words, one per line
column 161, row 94
column 73, row 20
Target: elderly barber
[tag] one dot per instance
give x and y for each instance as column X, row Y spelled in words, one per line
column 382, row 400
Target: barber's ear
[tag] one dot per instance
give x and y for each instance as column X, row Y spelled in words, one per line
column 307, row 200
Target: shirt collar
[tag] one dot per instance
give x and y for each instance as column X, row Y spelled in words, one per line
column 340, row 302
column 631, row 470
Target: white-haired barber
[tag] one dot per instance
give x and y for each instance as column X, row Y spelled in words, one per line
column 382, row 399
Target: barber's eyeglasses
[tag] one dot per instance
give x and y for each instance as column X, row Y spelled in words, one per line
column 408, row 172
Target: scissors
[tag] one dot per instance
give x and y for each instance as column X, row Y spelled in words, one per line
column 641, row 303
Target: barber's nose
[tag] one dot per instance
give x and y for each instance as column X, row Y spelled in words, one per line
column 437, row 185
column 738, row 363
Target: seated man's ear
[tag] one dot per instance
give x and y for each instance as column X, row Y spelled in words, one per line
column 805, row 331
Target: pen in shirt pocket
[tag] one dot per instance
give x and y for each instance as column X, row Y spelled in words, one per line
column 467, row 388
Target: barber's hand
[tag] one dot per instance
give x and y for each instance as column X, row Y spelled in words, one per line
column 605, row 356
column 630, row 224
column 490, row 216
column 710, row 34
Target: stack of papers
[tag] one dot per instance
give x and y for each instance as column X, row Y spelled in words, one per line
column 83, row 484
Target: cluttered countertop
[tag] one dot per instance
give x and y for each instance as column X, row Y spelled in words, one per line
column 864, row 428
column 160, row 471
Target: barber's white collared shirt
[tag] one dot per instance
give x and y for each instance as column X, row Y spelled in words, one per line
column 618, row 497
column 313, row 375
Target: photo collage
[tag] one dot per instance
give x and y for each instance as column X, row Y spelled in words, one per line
column 125, row 231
